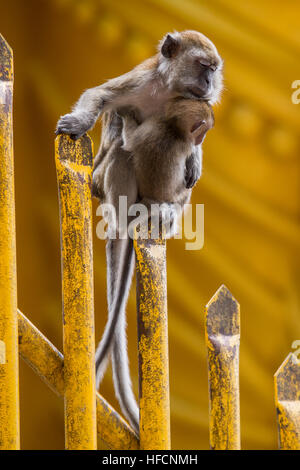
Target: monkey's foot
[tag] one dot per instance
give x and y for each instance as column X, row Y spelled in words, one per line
column 74, row 124
column 168, row 219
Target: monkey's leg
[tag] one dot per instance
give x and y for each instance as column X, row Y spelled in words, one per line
column 131, row 121
column 111, row 130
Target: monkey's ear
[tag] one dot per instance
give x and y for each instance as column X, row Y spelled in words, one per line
column 170, row 47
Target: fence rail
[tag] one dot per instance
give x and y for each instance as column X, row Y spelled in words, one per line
column 73, row 376
column 48, row 363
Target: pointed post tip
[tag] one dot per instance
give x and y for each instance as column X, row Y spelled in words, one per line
column 287, row 379
column 78, row 151
column 222, row 313
column 6, row 60
column 289, row 364
column 4, row 46
column 66, row 138
column 222, row 291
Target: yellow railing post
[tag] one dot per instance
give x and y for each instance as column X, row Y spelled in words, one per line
column 153, row 344
column 74, row 162
column 287, row 400
column 222, row 333
column 9, row 364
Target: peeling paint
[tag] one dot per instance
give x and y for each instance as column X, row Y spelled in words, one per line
column 2, row 352
column 74, row 164
column 222, row 334
column 287, row 400
column 5, row 92
column 153, row 344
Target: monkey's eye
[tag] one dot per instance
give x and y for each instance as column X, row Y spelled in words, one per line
column 204, row 62
column 207, row 64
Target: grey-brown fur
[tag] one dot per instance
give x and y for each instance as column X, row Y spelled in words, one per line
column 187, row 65
column 161, row 148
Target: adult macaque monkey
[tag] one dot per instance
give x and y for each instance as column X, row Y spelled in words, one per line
column 187, row 65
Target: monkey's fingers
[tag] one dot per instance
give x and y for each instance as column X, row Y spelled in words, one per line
column 73, row 125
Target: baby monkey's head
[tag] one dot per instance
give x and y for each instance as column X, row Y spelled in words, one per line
column 193, row 118
column 191, row 65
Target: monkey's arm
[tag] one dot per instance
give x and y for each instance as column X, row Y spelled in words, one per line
column 94, row 101
column 193, row 167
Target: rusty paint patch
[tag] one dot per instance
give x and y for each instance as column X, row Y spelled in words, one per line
column 6, row 60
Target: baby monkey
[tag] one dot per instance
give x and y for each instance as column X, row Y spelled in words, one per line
column 160, row 148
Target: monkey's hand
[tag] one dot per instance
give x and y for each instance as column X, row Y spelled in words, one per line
column 75, row 124
column 193, row 168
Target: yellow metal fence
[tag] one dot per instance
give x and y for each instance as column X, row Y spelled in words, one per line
column 72, row 376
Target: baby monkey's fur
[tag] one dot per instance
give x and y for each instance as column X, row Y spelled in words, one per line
column 161, row 145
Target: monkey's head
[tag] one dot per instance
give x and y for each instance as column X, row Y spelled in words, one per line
column 191, row 65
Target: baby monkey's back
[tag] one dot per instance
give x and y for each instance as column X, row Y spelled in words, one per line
column 161, row 145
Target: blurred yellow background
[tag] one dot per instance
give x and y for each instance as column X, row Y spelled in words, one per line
column 250, row 188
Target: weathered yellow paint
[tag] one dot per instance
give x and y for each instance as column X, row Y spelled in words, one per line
column 2, row 352
column 287, row 400
column 153, row 344
column 74, row 162
column 43, row 357
column 222, row 334
column 9, row 377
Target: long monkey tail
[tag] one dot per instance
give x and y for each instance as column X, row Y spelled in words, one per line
column 120, row 265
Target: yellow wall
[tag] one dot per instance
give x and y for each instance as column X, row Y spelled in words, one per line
column 250, row 188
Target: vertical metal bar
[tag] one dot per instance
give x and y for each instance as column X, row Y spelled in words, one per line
column 74, row 161
column 222, row 333
column 153, row 344
column 287, row 400
column 9, row 364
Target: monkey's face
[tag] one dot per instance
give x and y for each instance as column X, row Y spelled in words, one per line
column 192, row 65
